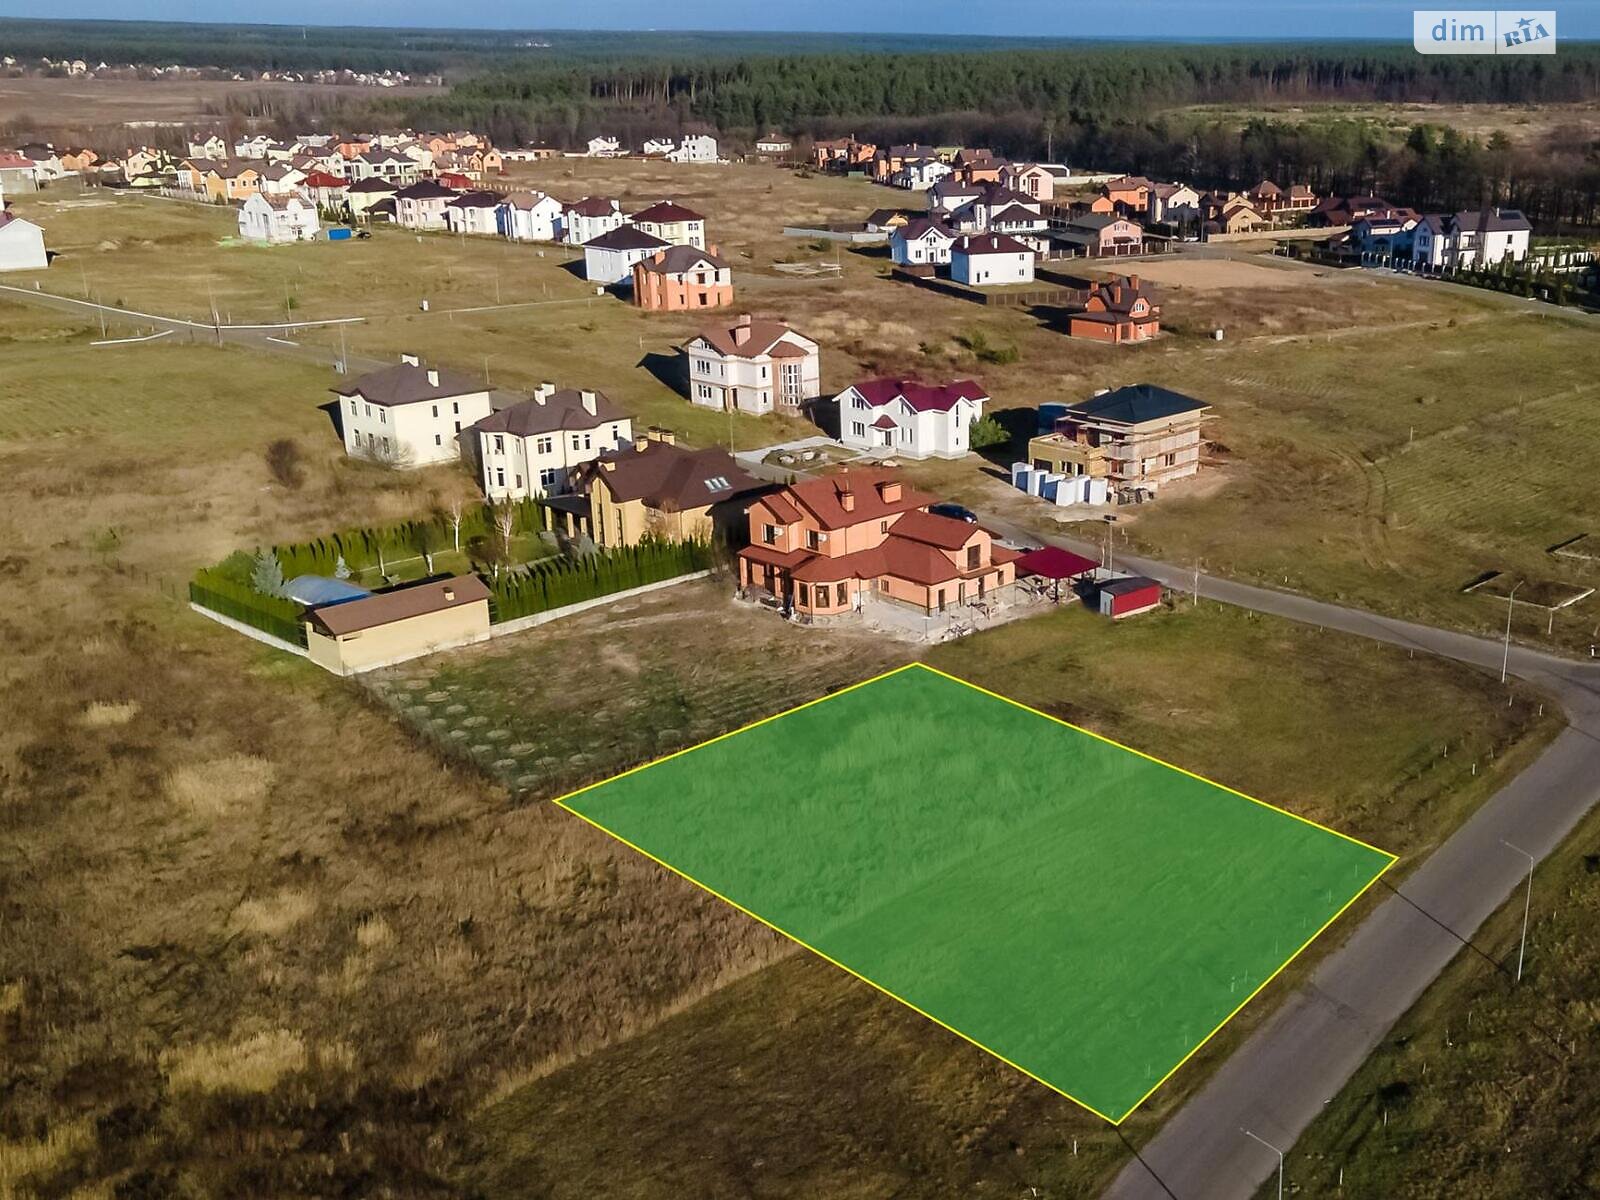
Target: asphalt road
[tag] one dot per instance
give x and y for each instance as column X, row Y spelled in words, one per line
column 1277, row 1082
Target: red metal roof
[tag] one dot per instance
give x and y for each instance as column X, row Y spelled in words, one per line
column 1052, row 562
column 921, row 396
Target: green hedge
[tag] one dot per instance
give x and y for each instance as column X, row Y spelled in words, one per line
column 270, row 614
column 558, row 582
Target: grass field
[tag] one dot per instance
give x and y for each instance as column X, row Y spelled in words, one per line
column 1049, row 895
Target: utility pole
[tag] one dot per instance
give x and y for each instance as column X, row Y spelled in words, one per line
column 1505, row 658
column 1275, row 1150
column 1527, row 903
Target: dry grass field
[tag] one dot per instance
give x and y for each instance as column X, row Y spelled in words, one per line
column 266, row 940
column 1522, row 123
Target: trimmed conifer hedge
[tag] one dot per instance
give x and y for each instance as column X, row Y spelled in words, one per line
column 270, row 614
column 555, row 583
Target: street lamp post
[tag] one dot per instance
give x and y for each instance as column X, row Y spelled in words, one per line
column 1274, row 1149
column 1511, row 600
column 1527, row 903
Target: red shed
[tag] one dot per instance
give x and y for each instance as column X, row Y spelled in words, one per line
column 1128, row 596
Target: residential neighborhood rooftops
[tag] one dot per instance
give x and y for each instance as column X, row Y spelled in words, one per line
column 410, row 383
column 552, row 411
column 382, row 608
column 593, row 206
column 1137, row 404
column 922, row 397
column 625, row 237
column 750, row 338
column 525, row 199
column 666, row 212
column 426, row 189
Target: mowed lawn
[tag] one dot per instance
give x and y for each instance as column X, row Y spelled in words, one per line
column 1087, row 913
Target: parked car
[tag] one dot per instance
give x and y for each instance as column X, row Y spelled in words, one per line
column 956, row 511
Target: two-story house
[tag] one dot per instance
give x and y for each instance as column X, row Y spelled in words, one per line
column 990, row 260
column 422, row 205
column 910, row 419
column 275, row 219
column 530, row 448
column 658, row 489
column 1097, row 234
column 473, row 212
column 752, row 366
column 1139, row 437
column 584, row 220
column 609, row 258
column 409, row 415
column 680, row 278
column 529, row 217
column 672, row 223
column 922, row 241
column 1117, row 310
column 828, row 547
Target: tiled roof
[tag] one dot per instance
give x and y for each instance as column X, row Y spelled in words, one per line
column 821, row 497
column 765, row 337
column 407, row 383
column 666, row 213
column 670, row 477
column 625, row 237
column 921, row 396
column 383, row 608
column 679, row 260
column 1137, row 404
column 558, row 410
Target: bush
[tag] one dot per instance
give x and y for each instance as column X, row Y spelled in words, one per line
column 284, row 462
column 987, row 432
column 557, row 583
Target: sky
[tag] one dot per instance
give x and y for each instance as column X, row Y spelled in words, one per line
column 1233, row 20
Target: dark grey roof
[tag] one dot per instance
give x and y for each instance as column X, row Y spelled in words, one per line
column 1094, row 221
column 409, row 384
column 626, row 237
column 675, row 260
column 1495, row 220
column 557, row 411
column 1129, row 583
column 428, row 189
column 1137, row 404
column 373, row 183
column 475, row 200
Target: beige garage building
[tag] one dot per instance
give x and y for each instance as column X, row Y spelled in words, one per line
column 358, row 635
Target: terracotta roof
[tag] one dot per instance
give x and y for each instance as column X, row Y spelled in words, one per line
column 884, row 422
column 679, row 260
column 669, row 477
column 1119, row 294
column 625, row 237
column 384, row 608
column 947, row 533
column 321, row 179
column 821, row 497
column 765, row 337
column 666, row 212
column 558, row 410
column 407, row 383
column 921, row 396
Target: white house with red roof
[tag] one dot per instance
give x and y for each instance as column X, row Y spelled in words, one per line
column 910, row 419
column 584, row 220
column 752, row 366
column 991, row 260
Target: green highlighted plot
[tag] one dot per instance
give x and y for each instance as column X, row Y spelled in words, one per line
column 1084, row 912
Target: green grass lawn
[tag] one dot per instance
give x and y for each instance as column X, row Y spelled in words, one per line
column 1085, row 912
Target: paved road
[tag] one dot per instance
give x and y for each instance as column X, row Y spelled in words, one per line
column 1277, row 1082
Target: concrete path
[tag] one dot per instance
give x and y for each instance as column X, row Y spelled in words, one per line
column 1277, row 1082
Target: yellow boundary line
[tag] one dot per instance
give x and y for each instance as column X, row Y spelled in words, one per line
column 562, row 803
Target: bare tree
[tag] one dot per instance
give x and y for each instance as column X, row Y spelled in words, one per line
column 455, row 511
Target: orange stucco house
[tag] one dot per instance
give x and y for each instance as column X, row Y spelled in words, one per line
column 682, row 277
column 827, row 547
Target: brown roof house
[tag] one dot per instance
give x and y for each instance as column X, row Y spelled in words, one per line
column 1117, row 310
column 350, row 636
column 752, row 366
column 658, row 489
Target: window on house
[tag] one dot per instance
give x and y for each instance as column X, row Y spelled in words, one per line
column 544, row 445
column 588, row 441
column 435, row 410
column 803, row 595
column 353, row 408
column 455, row 407
column 974, row 557
column 813, row 539
column 859, row 429
column 547, row 477
column 843, row 596
column 769, row 534
column 883, row 526
column 575, row 441
column 500, row 476
column 438, row 439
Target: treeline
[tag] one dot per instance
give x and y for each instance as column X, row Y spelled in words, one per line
column 940, row 93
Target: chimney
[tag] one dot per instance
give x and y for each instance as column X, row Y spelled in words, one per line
column 657, row 434
column 410, row 360
column 847, row 501
column 588, row 402
column 1133, row 282
column 449, row 595
column 889, row 489
column 433, row 378
column 741, row 329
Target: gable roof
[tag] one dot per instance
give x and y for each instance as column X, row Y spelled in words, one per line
column 821, row 497
column 407, row 383
column 1119, row 293
column 1495, row 220
column 625, row 237
column 527, row 200
column 947, row 533
column 665, row 212
column 475, row 200
column 372, row 183
column 1015, row 213
column 920, row 227
column 427, row 189
column 676, row 260
column 921, row 396
column 766, row 337
column 669, row 477
column 553, row 412
column 592, row 206
column 990, row 243
column 383, row 608
column 1137, row 404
